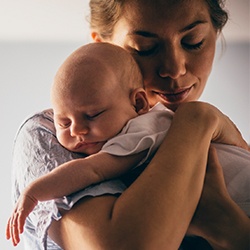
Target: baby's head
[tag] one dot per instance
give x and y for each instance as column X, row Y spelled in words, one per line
column 96, row 91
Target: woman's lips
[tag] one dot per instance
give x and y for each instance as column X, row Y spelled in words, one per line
column 175, row 96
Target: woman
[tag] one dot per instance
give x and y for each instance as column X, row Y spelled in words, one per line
column 174, row 44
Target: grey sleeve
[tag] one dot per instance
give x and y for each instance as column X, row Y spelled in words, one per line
column 36, row 152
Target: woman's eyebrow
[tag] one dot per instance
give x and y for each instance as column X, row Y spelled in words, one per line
column 143, row 33
column 153, row 35
column 192, row 25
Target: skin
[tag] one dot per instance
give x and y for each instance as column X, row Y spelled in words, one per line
column 106, row 221
column 183, row 46
column 169, row 46
column 82, row 113
column 179, row 73
column 206, row 224
column 175, row 50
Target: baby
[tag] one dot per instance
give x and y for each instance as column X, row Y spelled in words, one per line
column 101, row 110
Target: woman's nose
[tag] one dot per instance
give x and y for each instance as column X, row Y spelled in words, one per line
column 173, row 63
column 79, row 129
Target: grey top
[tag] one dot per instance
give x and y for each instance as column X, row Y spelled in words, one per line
column 36, row 152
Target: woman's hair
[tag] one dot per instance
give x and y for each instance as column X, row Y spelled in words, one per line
column 218, row 14
column 105, row 14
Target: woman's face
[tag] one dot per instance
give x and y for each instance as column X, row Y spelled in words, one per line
column 174, row 44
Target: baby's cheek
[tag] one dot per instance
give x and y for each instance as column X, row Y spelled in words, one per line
column 62, row 137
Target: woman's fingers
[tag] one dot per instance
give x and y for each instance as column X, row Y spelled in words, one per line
column 213, row 195
column 214, row 169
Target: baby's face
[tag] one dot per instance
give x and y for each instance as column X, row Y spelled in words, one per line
column 89, row 114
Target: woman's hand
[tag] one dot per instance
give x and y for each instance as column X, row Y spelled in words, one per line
column 227, row 132
column 217, row 218
column 222, row 128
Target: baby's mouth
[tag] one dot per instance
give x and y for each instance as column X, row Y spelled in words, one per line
column 84, row 144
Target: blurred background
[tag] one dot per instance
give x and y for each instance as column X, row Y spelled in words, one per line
column 37, row 35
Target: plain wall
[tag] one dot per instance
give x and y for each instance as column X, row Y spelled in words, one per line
column 26, row 74
column 27, row 71
column 228, row 87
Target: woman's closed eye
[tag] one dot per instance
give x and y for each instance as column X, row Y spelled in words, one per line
column 194, row 46
column 142, row 48
column 146, row 52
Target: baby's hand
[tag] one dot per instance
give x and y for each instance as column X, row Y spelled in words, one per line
column 23, row 208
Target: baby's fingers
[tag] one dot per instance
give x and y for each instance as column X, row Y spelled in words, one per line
column 14, row 228
column 7, row 232
column 20, row 222
column 12, row 232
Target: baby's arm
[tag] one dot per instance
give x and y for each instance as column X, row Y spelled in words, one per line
column 77, row 174
column 68, row 178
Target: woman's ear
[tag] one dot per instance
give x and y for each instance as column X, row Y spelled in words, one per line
column 139, row 99
column 96, row 37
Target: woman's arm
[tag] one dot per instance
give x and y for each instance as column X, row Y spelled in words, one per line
column 155, row 211
column 217, row 218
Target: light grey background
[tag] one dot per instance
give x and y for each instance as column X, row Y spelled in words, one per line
column 36, row 36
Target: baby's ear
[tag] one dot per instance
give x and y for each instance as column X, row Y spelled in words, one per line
column 139, row 99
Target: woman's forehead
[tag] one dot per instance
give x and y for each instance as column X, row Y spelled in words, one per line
column 172, row 11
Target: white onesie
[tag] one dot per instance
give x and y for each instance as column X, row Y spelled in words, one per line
column 147, row 131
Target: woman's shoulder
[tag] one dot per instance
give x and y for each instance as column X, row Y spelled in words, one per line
column 40, row 121
column 40, row 117
column 44, row 120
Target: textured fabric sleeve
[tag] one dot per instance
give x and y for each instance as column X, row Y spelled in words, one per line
column 36, row 152
column 235, row 164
